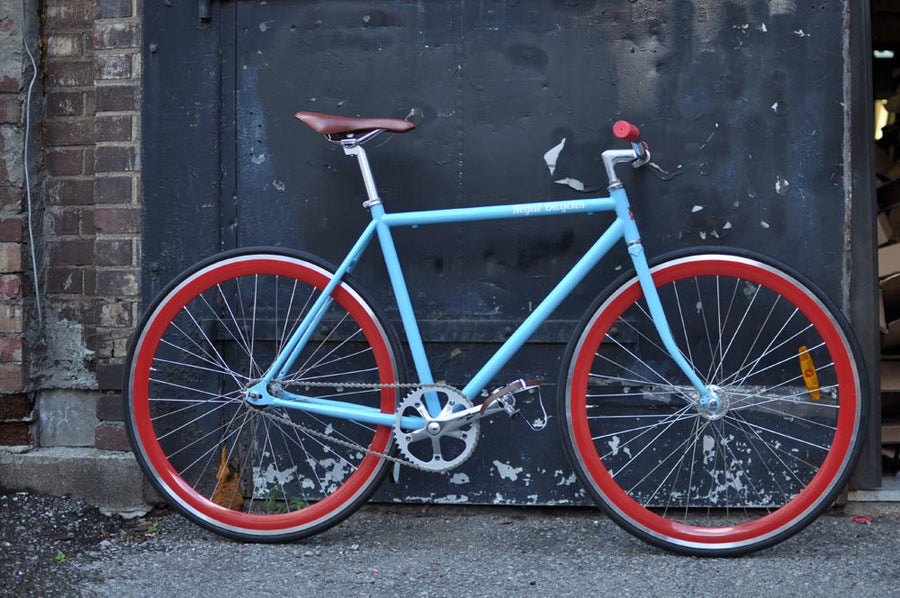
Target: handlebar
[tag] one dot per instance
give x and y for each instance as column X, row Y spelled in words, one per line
column 638, row 155
column 628, row 132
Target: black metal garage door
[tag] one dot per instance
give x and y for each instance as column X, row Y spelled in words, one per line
column 743, row 102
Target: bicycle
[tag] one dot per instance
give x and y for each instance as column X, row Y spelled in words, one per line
column 712, row 403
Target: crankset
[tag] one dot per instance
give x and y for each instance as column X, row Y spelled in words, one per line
column 447, row 439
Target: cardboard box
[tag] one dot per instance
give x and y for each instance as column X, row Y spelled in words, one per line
column 888, row 260
column 890, row 376
column 890, row 340
column 888, row 195
column 890, row 296
column 890, row 432
column 885, row 230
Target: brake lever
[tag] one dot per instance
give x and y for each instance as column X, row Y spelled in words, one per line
column 642, row 151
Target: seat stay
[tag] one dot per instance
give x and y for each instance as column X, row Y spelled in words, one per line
column 289, row 354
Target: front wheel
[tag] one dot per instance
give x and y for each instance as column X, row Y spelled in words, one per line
column 268, row 474
column 723, row 481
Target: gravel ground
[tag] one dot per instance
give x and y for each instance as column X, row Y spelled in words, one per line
column 62, row 547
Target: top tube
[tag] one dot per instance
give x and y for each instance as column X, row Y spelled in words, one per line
column 523, row 210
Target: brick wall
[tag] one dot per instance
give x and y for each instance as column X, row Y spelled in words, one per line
column 91, row 197
column 16, row 415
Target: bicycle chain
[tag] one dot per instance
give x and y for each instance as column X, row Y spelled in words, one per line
column 345, row 443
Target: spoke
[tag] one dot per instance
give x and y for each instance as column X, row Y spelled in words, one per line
column 627, row 381
column 687, row 503
column 334, row 432
column 187, row 388
column 769, row 350
column 687, row 342
column 665, row 424
column 352, row 374
column 240, row 342
column 645, row 447
column 702, row 312
column 739, row 477
column 671, row 418
column 213, row 360
column 237, row 325
column 344, row 358
column 322, row 360
column 212, row 411
column 647, row 393
column 790, row 380
column 636, row 416
column 740, row 325
column 207, row 454
column 210, row 454
column 182, row 364
column 329, row 448
column 790, row 400
column 311, row 462
column 188, row 405
column 192, row 402
column 776, row 452
column 208, row 341
column 758, row 427
column 652, row 340
column 280, row 486
column 719, row 329
column 642, row 362
column 771, row 398
column 253, row 322
column 285, row 334
column 679, row 467
column 661, row 463
column 305, row 365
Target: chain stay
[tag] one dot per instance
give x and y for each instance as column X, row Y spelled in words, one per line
column 345, row 443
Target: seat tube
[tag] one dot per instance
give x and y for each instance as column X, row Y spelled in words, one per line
column 404, row 304
column 398, row 284
column 642, row 268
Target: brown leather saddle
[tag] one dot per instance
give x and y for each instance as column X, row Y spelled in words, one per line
column 341, row 127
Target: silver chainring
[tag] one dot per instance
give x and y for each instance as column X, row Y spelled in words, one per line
column 441, row 444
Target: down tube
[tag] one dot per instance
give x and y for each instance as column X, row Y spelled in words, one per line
column 590, row 259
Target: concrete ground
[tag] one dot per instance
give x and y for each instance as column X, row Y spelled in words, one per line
column 61, row 547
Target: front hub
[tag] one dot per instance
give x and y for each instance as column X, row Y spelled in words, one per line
column 715, row 406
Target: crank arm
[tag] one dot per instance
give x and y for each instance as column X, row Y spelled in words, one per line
column 454, row 421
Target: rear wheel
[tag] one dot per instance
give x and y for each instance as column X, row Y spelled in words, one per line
column 725, row 481
column 251, row 474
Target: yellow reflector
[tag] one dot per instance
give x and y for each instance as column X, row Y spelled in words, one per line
column 809, row 374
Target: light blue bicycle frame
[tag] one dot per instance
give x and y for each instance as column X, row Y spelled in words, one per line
column 623, row 228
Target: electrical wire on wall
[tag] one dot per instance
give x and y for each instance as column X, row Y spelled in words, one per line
column 34, row 264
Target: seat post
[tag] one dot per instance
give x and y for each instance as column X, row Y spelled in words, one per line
column 353, row 147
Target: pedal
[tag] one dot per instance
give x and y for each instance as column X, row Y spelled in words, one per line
column 505, row 395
